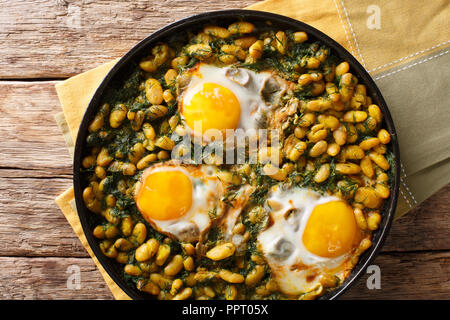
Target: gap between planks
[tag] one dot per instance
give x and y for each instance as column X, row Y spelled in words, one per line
column 410, row 276
column 64, row 39
column 31, row 174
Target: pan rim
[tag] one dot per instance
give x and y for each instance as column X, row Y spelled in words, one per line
column 388, row 211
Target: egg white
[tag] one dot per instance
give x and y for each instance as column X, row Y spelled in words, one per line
column 253, row 107
column 296, row 272
column 206, row 192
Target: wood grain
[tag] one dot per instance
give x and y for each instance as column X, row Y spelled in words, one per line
column 28, row 129
column 57, row 39
column 60, row 38
column 32, row 225
column 46, row 278
column 403, row 276
column 30, row 221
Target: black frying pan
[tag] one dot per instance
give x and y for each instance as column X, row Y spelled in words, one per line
column 225, row 17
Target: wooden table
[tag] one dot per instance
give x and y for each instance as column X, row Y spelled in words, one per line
column 44, row 42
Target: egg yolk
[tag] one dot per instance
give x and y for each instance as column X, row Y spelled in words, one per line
column 215, row 106
column 164, row 195
column 330, row 230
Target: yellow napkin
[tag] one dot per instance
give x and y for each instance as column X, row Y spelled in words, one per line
column 74, row 95
column 66, row 203
column 410, row 37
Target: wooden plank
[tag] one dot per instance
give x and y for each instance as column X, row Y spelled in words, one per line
column 30, row 136
column 32, row 225
column 30, row 221
column 426, row 227
column 29, row 131
column 46, row 278
column 58, row 39
column 403, row 276
column 408, row 276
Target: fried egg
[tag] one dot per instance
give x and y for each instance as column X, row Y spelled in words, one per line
column 309, row 235
column 226, row 98
column 176, row 200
